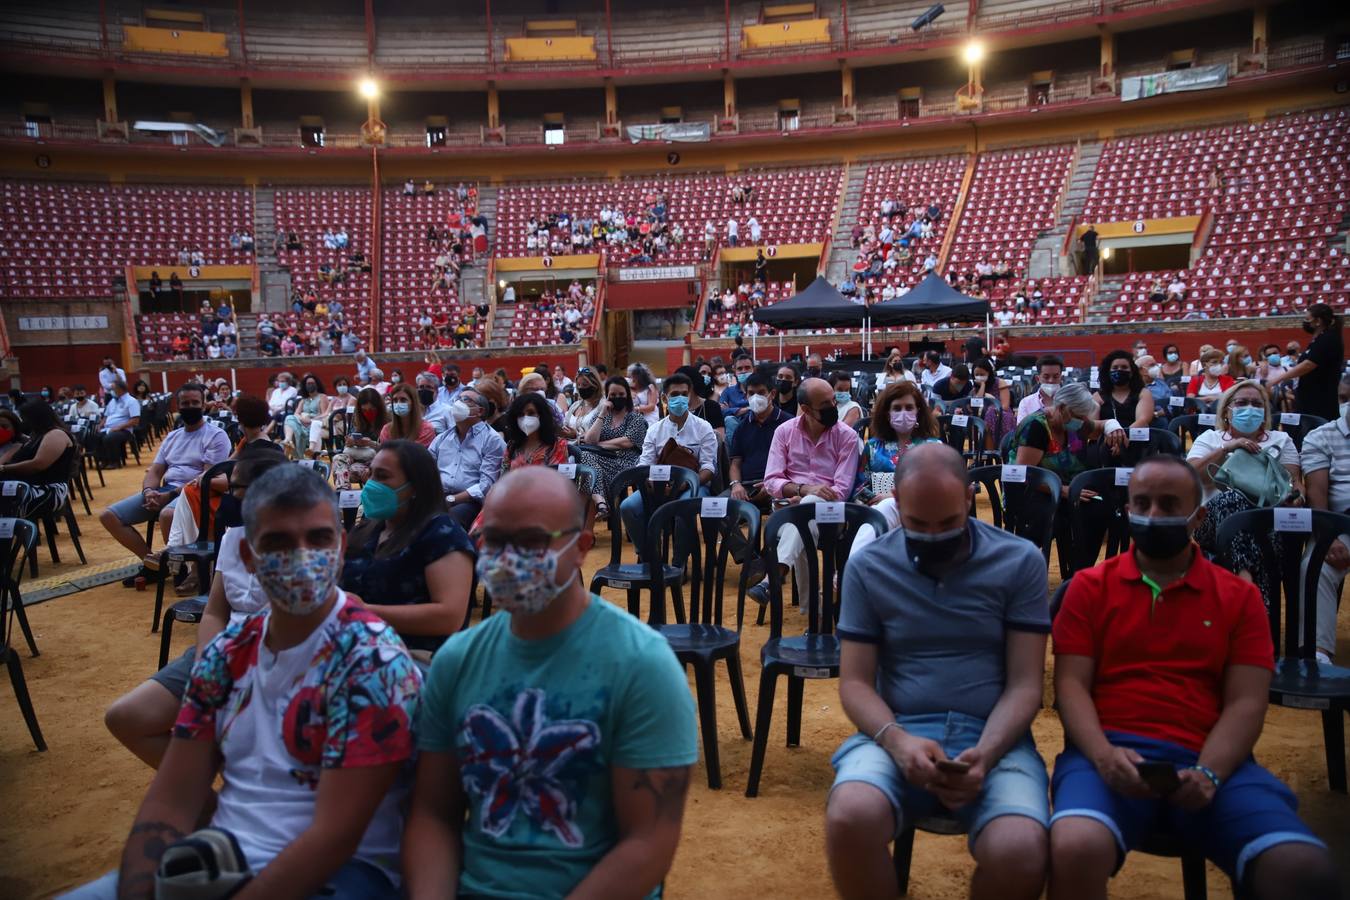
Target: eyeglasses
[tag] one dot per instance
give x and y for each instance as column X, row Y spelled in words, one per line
column 529, row 540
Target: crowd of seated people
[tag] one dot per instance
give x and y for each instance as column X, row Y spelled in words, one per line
column 900, row 236
column 642, row 233
column 451, row 480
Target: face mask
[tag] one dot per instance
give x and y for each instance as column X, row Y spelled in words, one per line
column 1248, row 419
column 618, row 404
column 379, row 500
column 1155, row 372
column 707, row 379
column 1173, row 357
column 1215, row 370
column 784, row 386
column 829, row 416
column 342, row 389
column 724, row 379
column 928, row 551
column 741, row 376
column 297, row 581
column 191, row 415
column 1161, row 537
column 396, row 379
column 1073, row 424
column 426, row 396
column 587, row 392
column 400, row 409
column 459, row 410
column 678, row 405
column 813, row 372
column 1273, row 359
column 904, row 420
column 1120, row 376
column 1310, row 327
column 520, row 582
column 1140, row 351
column 981, row 379
column 758, row 403
column 842, row 397
column 528, row 424
column 45, row 393
column 1049, row 390
column 1230, row 348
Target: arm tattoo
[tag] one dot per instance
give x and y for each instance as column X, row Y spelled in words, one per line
column 668, row 788
column 157, row 836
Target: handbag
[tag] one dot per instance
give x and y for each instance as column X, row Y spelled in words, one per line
column 1258, row 476
column 674, row 454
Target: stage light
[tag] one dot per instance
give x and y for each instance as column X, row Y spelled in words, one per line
column 973, row 53
column 369, row 88
column 928, row 16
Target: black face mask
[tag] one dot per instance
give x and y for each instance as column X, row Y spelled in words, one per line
column 932, row 553
column 230, row 512
column 784, row 385
column 426, row 395
column 813, row 372
column 190, row 416
column 1120, row 376
column 618, row 404
column 587, row 392
column 829, row 416
column 1162, row 537
column 451, row 380
column 1310, row 327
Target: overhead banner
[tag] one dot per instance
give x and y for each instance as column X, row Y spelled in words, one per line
column 205, row 132
column 683, row 132
column 1197, row 78
column 657, row 273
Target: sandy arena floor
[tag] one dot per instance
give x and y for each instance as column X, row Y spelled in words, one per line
column 67, row 811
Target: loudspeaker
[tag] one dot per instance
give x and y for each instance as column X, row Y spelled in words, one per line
column 927, row 18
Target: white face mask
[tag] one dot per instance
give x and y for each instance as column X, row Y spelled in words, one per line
column 1216, row 370
column 1049, row 390
column 758, row 403
column 1155, row 372
column 528, row 424
column 459, row 410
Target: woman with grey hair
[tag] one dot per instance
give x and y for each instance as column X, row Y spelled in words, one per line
column 1056, row 438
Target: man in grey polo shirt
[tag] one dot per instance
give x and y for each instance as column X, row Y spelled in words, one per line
column 1326, row 479
column 943, row 625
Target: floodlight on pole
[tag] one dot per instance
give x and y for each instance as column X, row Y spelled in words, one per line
column 369, row 88
column 973, row 53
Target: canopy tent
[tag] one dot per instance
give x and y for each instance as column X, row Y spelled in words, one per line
column 819, row 306
column 933, row 300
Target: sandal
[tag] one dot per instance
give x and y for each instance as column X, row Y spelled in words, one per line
column 601, row 511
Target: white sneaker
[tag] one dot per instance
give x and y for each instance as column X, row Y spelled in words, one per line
column 1323, row 659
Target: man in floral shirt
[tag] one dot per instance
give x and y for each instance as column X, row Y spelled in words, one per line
column 305, row 707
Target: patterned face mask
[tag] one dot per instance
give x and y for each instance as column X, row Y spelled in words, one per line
column 521, row 581
column 297, row 581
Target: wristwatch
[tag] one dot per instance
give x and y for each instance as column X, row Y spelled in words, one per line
column 733, row 484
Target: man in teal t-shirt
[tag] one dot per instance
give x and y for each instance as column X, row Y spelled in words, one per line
column 556, row 738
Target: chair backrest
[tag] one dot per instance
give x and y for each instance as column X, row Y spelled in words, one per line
column 1188, row 427
column 14, row 552
column 824, row 555
column 863, row 427
column 683, row 482
column 586, row 477
column 1160, row 441
column 317, row 465
column 1299, row 594
column 225, row 468
column 708, row 556
column 967, row 439
column 1027, row 509
column 13, row 496
column 1296, row 425
column 1116, row 497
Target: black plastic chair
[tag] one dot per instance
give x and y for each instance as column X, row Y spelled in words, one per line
column 1161, row 441
column 1188, row 427
column 1296, row 425
column 317, row 465
column 703, row 640
column 12, row 553
column 187, row 610
column 632, row 577
column 1025, row 509
column 333, row 443
column 12, row 506
column 814, row 654
column 1116, row 497
column 1301, row 682
column 201, row 552
column 968, row 439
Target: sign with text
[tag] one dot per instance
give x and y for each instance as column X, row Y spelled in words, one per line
column 713, row 508
column 830, row 513
column 61, row 323
column 658, row 273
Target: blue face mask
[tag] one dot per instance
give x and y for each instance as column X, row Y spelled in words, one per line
column 1246, row 360
column 1073, row 424
column 379, row 500
column 842, row 397
column 1273, row 359
column 1248, row 419
column 741, row 377
column 678, row 406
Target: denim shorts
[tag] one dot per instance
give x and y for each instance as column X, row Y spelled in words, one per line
column 1251, row 812
column 1016, row 786
column 175, row 676
column 131, row 510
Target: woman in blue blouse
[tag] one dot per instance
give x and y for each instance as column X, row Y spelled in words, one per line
column 408, row 561
column 900, row 419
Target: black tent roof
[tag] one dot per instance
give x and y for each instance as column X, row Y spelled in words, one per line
column 819, row 306
column 933, row 300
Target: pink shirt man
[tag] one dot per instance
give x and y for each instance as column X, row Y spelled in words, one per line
column 795, row 457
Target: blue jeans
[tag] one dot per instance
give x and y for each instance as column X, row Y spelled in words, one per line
column 635, row 523
column 356, row 880
column 1016, row 785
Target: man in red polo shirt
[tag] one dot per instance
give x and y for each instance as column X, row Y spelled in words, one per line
column 1163, row 661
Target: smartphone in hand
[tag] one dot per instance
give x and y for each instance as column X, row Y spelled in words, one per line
column 952, row 766
column 1161, row 777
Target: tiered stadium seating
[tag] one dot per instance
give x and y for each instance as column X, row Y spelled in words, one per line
column 720, row 319
column 1281, row 195
column 792, row 206
column 65, row 240
column 309, row 212
column 408, row 268
column 531, row 327
column 915, row 183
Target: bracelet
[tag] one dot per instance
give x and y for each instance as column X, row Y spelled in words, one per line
column 1208, row 773
column 876, row 738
